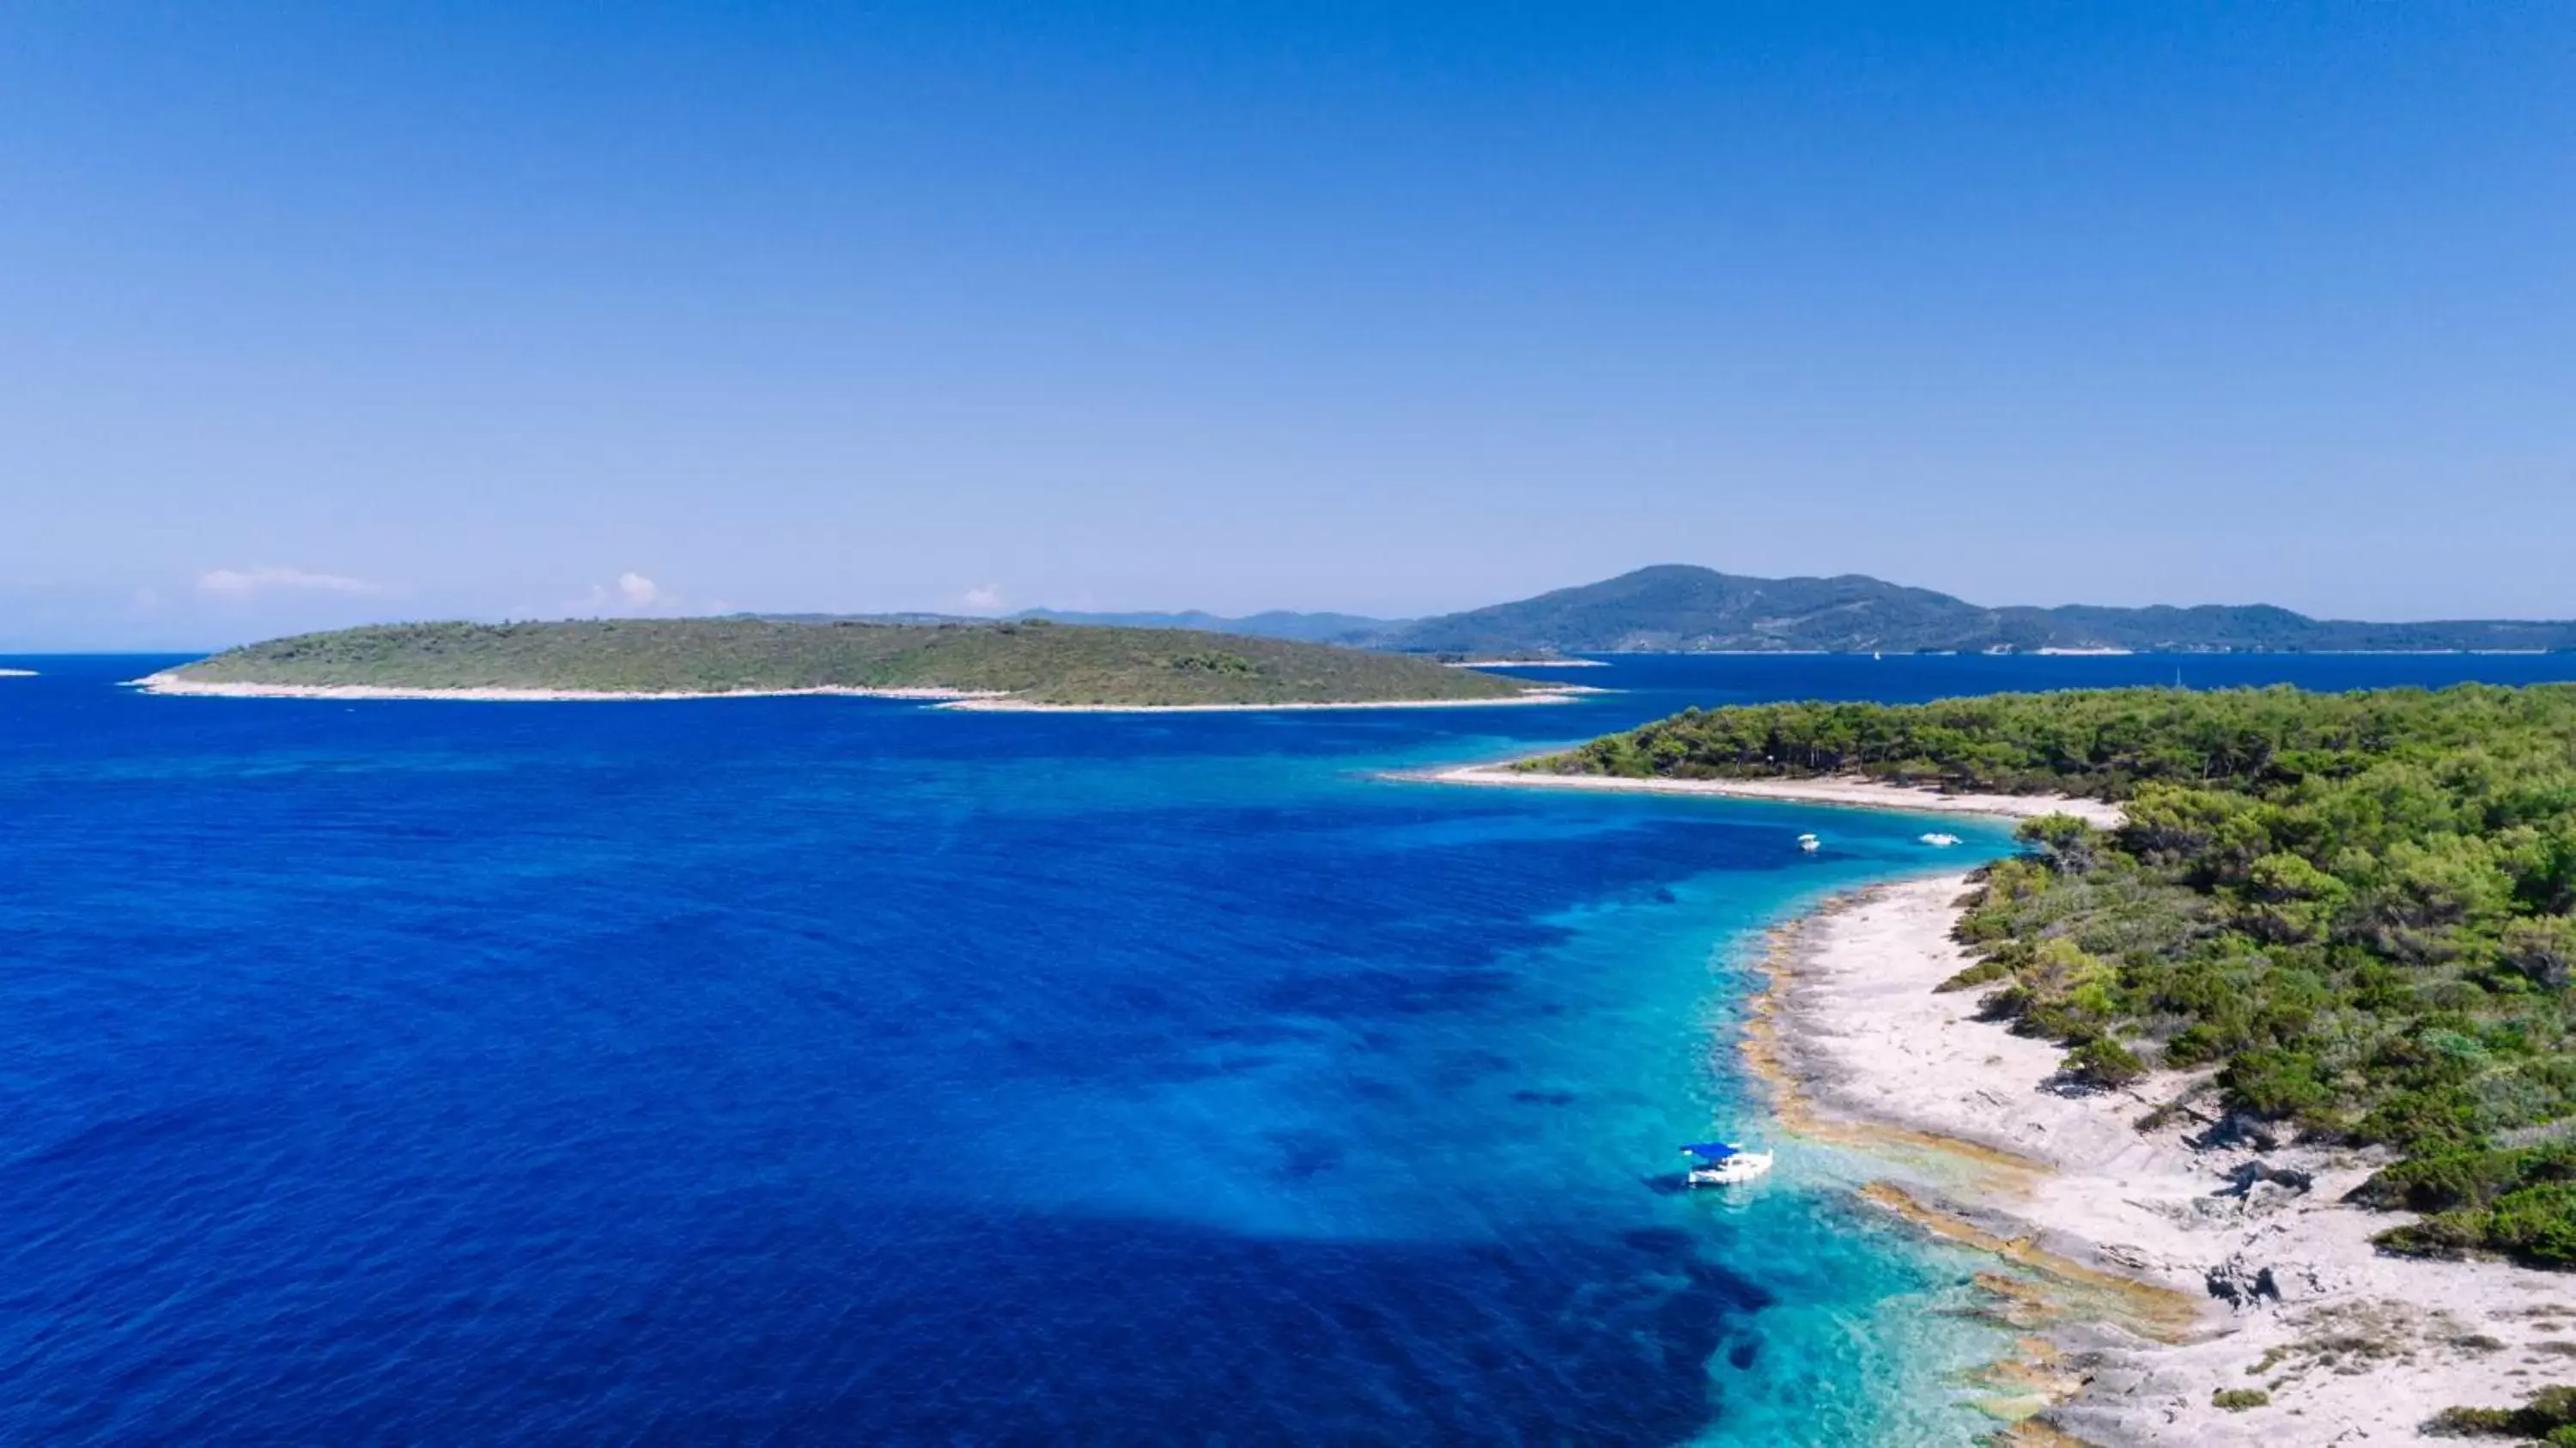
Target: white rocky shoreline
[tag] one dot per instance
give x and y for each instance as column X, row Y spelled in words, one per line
column 1851, row 792
column 986, row 700
column 2280, row 1290
column 173, row 683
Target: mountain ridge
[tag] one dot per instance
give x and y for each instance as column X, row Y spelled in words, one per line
column 1324, row 627
column 1683, row 608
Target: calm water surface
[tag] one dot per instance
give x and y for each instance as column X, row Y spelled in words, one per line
column 845, row 1071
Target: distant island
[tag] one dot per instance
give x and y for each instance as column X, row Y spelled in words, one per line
column 1010, row 664
column 1679, row 608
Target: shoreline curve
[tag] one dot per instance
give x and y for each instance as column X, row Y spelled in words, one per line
column 1847, row 792
column 2166, row 1271
column 171, row 685
column 975, row 699
column 1005, row 704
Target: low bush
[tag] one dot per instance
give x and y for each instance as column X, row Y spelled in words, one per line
column 2549, row 1415
column 1984, row 972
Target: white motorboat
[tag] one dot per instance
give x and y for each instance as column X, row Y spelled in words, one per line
column 1810, row 843
column 1723, row 1163
column 1939, row 840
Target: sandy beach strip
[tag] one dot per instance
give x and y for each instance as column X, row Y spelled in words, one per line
column 1848, row 791
column 2268, row 1287
column 169, row 684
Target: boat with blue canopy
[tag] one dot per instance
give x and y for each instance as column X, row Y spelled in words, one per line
column 1720, row 1163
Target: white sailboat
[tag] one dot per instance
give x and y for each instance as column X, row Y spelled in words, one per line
column 1723, row 1163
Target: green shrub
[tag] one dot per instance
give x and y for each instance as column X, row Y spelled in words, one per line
column 2237, row 1400
column 2549, row 1414
column 2105, row 1062
column 1981, row 973
column 2449, row 1234
column 2068, row 844
column 2472, row 1177
column 2536, row 1225
column 2473, row 1423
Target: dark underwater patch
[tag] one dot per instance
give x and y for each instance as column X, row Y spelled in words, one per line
column 1080, row 1332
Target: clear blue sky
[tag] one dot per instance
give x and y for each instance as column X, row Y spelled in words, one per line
column 313, row 313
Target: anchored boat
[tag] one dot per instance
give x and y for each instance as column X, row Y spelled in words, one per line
column 1722, row 1163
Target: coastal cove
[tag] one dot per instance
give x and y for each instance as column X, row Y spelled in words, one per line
column 2164, row 1269
column 1288, row 726
column 2308, row 970
column 1169, row 1068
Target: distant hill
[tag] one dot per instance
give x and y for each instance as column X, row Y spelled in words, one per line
column 1676, row 607
column 1034, row 662
column 1313, row 628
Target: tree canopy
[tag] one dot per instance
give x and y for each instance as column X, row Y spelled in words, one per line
column 2360, row 908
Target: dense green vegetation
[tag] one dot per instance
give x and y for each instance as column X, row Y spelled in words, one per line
column 1350, row 629
column 1678, row 607
column 2359, row 908
column 1039, row 662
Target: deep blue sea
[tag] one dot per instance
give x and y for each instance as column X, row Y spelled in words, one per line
column 847, row 1071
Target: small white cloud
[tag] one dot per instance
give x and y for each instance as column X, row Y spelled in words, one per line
column 251, row 582
column 632, row 593
column 985, row 599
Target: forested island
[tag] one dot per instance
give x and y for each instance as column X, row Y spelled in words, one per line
column 2358, row 909
column 1014, row 663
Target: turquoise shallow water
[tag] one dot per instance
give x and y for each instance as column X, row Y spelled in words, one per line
column 845, row 1071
